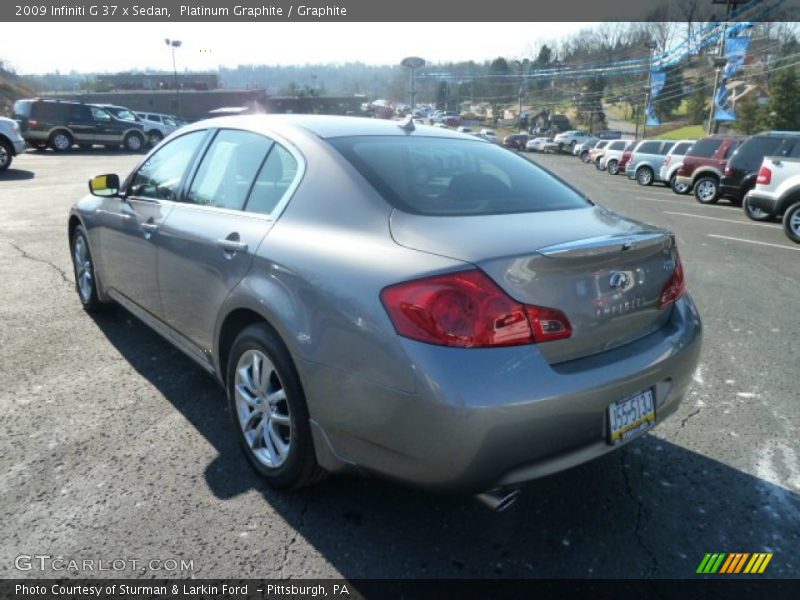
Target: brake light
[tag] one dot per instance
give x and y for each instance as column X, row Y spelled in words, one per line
column 675, row 287
column 764, row 176
column 468, row 310
column 728, row 171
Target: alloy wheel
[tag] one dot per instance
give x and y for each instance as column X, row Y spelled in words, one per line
column 61, row 141
column 706, row 191
column 794, row 222
column 262, row 409
column 83, row 268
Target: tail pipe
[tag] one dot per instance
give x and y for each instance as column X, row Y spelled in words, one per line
column 499, row 500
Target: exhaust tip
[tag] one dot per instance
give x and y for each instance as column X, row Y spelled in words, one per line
column 499, row 500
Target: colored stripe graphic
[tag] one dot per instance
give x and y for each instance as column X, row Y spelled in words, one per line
column 733, row 563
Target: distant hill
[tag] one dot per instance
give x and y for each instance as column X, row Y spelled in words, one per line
column 11, row 89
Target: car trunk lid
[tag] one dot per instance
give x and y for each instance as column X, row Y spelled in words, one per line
column 605, row 272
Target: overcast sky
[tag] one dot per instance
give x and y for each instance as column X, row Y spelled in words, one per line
column 112, row 47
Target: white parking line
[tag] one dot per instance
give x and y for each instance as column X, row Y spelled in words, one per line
column 668, row 212
column 725, row 237
column 646, row 199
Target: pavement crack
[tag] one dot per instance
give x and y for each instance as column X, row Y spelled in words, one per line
column 637, row 529
column 301, row 522
column 24, row 253
column 689, row 416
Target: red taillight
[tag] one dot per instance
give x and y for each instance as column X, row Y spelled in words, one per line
column 728, row 171
column 468, row 310
column 764, row 176
column 675, row 287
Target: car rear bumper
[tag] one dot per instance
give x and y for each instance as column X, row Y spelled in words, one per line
column 479, row 419
column 19, row 146
column 765, row 203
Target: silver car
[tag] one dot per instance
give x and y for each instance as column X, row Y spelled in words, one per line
column 411, row 302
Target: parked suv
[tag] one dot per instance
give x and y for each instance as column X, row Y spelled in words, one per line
column 615, row 159
column 596, row 151
column 11, row 142
column 60, row 124
column 742, row 168
column 777, row 192
column 570, row 138
column 704, row 165
column 154, row 131
column 646, row 160
column 612, row 153
column 672, row 162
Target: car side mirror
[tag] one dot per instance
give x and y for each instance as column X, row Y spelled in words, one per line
column 104, row 186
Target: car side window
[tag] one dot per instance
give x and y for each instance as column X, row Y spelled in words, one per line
column 98, row 114
column 273, row 181
column 228, row 169
column 160, row 176
column 795, row 151
column 80, row 113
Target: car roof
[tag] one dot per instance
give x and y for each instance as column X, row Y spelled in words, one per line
column 326, row 126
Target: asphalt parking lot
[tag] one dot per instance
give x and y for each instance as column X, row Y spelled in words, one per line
column 117, row 446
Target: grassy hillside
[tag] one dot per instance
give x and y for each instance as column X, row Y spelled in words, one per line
column 11, row 89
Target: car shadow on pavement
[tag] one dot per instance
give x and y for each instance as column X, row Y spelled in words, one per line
column 651, row 509
column 12, row 174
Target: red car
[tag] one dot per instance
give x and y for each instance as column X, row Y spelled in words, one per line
column 516, row 141
column 626, row 157
column 704, row 165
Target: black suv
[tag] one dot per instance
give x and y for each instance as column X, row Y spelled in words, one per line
column 742, row 169
column 61, row 124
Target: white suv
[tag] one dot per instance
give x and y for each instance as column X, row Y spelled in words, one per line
column 11, row 142
column 776, row 193
column 672, row 162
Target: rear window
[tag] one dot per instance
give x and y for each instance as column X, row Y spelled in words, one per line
column 681, row 148
column 618, row 145
column 22, row 109
column 439, row 176
column 705, row 148
column 648, row 148
column 750, row 153
column 630, row 147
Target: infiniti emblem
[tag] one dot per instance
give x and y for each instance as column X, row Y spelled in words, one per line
column 619, row 280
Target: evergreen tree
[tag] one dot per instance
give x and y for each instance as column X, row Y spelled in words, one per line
column 784, row 105
column 697, row 102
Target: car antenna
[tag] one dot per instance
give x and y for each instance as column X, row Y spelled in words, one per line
column 408, row 124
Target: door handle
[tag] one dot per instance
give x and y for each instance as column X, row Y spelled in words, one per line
column 149, row 227
column 232, row 245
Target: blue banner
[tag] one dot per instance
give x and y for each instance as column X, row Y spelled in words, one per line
column 735, row 53
column 657, row 80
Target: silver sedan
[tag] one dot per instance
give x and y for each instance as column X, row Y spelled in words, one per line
column 408, row 301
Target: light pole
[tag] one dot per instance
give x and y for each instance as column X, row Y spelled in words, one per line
column 412, row 63
column 650, row 47
column 523, row 65
column 175, row 44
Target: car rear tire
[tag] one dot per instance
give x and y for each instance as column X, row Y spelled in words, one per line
column 612, row 167
column 678, row 188
column 791, row 222
column 584, row 155
column 597, row 164
column 6, row 155
column 133, row 142
column 706, row 190
column 83, row 268
column 60, row 141
column 154, row 138
column 269, row 409
column 757, row 214
column 644, row 176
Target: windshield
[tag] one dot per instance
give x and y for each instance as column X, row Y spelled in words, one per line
column 440, row 176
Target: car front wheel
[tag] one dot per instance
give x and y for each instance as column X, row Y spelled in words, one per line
column 791, row 223
column 83, row 267
column 154, row 137
column 706, row 190
column 6, row 155
column 269, row 409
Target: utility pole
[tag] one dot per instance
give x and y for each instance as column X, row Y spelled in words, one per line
column 412, row 63
column 523, row 65
column 175, row 44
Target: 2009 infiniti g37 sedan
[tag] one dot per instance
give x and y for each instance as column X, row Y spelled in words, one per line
column 415, row 303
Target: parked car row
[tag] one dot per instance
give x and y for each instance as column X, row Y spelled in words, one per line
column 62, row 124
column 760, row 172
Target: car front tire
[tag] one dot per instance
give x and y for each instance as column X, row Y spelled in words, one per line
column 269, row 410
column 706, row 190
column 6, row 155
column 154, row 138
column 791, row 223
column 84, row 270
